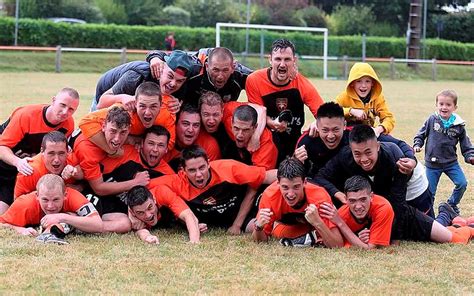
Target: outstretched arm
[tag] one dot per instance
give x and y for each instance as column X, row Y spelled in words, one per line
column 192, row 225
column 244, row 210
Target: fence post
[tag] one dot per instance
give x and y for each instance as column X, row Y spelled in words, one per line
column 392, row 68
column 58, row 59
column 123, row 55
column 345, row 67
column 363, row 47
column 434, row 72
column 262, row 48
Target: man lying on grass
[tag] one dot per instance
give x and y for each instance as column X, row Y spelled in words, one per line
column 53, row 207
column 146, row 208
column 289, row 210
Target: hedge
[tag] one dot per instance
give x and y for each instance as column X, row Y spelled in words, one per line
column 45, row 33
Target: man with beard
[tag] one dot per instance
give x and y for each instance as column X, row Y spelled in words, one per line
column 22, row 133
column 118, row 85
column 284, row 94
column 220, row 193
column 289, row 211
column 220, row 74
column 188, row 132
column 53, row 159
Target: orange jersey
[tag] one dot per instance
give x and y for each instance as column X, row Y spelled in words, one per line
column 283, row 213
column 26, row 210
column 92, row 123
column 164, row 197
column 26, row 126
column 291, row 96
column 221, row 197
column 125, row 167
column 265, row 156
column 89, row 157
column 379, row 220
column 26, row 184
column 206, row 141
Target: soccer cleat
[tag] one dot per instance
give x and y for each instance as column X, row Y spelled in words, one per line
column 459, row 222
column 306, row 240
column 447, row 208
column 49, row 238
column 60, row 230
column 455, row 208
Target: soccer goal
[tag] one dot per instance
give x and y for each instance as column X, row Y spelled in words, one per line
column 323, row 57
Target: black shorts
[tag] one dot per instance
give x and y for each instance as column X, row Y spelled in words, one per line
column 412, row 225
column 7, row 184
column 105, row 204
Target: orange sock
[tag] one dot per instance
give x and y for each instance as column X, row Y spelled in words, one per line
column 461, row 235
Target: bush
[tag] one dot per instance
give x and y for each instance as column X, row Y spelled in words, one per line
column 351, row 20
column 114, row 13
column 313, row 17
column 176, row 16
column 454, row 26
column 383, row 29
column 43, row 33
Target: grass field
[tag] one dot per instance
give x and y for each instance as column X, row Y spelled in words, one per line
column 121, row 264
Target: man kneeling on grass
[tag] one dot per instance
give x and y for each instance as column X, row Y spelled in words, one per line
column 56, row 209
column 290, row 210
column 146, row 208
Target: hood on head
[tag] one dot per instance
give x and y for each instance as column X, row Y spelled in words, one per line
column 359, row 70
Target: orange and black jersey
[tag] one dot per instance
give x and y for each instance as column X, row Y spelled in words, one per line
column 265, row 156
column 124, row 168
column 192, row 89
column 379, row 221
column 206, row 141
column 24, row 130
column 219, row 201
column 272, row 199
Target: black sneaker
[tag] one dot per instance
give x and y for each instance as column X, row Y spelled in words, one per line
column 61, row 233
column 455, row 208
column 306, row 240
column 446, row 208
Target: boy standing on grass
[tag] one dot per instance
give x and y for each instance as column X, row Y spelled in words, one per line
column 363, row 100
column 443, row 131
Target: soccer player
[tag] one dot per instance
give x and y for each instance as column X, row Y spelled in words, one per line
column 241, row 127
column 366, row 220
column 188, row 132
column 21, row 135
column 378, row 162
column 221, row 192
column 220, row 74
column 115, row 130
column 119, row 84
column 284, row 94
column 148, row 112
column 52, row 206
column 145, row 206
column 53, row 159
column 290, row 210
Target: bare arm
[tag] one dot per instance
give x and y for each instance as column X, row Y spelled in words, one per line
column 331, row 237
column 245, row 207
column 254, row 142
column 21, row 230
column 108, row 188
column 270, row 176
column 21, row 164
column 146, row 236
column 191, row 224
column 263, row 218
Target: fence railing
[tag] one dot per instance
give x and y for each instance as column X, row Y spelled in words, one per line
column 345, row 59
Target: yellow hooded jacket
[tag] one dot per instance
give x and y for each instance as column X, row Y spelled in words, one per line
column 376, row 107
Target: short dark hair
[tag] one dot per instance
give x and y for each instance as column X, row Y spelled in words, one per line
column 148, row 88
column 357, row 183
column 157, row 130
column 210, row 98
column 361, row 133
column 330, row 110
column 53, row 137
column 280, row 44
column 245, row 113
column 137, row 196
column 188, row 108
column 222, row 53
column 119, row 116
column 291, row 168
column 193, row 151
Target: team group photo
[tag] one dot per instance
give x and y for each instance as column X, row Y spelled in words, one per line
column 205, row 170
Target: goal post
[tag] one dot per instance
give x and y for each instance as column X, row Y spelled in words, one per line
column 284, row 28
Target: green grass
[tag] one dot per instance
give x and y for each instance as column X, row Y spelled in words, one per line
column 121, row 264
column 73, row 62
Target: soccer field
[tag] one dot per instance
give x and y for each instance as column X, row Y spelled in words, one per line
column 122, row 264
